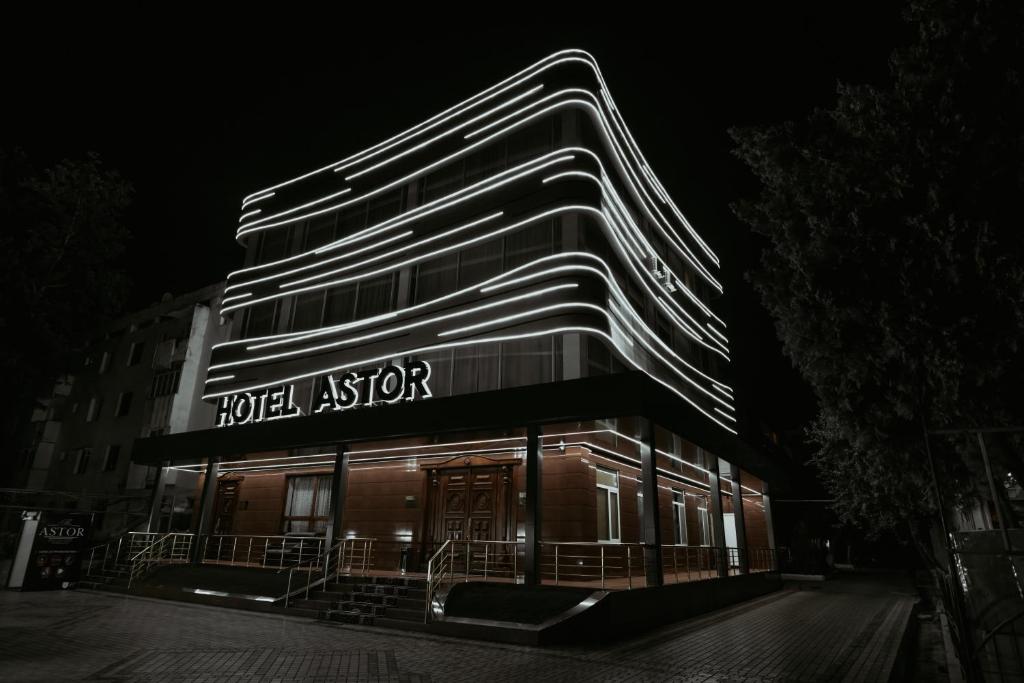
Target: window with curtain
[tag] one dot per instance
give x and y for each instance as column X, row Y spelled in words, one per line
column 608, row 505
column 526, row 361
column 308, row 503
column 375, row 296
column 479, row 262
column 262, row 319
column 435, row 278
column 476, row 368
column 529, row 244
column 385, row 206
column 679, row 518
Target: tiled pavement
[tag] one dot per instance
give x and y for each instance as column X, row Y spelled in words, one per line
column 809, row 635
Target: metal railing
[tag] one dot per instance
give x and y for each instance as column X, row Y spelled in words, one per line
column 277, row 552
column 346, row 556
column 462, row 560
column 683, row 563
column 439, row 568
column 618, row 564
column 172, row 548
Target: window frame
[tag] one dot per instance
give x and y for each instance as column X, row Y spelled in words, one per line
column 607, row 491
column 312, row 518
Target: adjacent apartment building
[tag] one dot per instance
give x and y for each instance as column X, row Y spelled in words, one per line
column 142, row 376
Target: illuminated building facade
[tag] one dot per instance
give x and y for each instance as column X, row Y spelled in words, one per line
column 495, row 326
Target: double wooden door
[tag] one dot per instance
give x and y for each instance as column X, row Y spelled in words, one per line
column 472, row 503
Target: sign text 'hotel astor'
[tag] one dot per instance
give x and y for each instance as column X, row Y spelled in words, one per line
column 389, row 384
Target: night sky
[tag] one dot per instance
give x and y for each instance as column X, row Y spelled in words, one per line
column 198, row 112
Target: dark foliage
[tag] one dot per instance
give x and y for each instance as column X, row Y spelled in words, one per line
column 61, row 238
column 894, row 266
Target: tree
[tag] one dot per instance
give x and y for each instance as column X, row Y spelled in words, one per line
column 894, row 261
column 62, row 234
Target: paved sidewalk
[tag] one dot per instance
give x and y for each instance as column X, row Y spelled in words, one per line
column 834, row 632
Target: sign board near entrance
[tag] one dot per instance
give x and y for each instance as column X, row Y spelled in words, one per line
column 388, row 384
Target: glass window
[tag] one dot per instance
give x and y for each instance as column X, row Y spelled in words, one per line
column 528, row 244
column 262, row 319
column 308, row 311
column 704, row 525
column 275, row 244
column 308, row 503
column 387, row 205
column 82, row 462
column 476, row 368
column 351, row 219
column 435, row 278
column 95, row 406
column 526, row 361
column 486, row 162
column 375, row 296
column 607, row 505
column 320, row 230
column 441, row 182
column 165, row 383
column 110, row 462
column 340, row 305
column 135, row 353
column 124, row 404
column 679, row 518
column 479, row 263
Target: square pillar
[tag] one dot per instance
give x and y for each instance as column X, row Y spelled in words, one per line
column 205, row 517
column 741, row 528
column 532, row 518
column 652, row 515
column 157, row 501
column 339, row 488
column 717, row 525
column 766, row 499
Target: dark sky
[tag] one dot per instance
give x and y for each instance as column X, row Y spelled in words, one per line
column 198, row 111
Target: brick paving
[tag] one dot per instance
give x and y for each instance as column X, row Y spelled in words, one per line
column 823, row 635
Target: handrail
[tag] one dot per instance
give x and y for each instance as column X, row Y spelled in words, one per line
column 436, row 568
column 324, row 559
column 153, row 554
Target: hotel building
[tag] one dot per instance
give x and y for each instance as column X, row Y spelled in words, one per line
column 493, row 332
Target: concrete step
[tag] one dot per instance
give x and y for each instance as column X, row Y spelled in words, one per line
column 404, row 614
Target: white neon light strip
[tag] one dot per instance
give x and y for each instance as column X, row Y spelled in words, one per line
column 249, row 213
column 251, row 199
column 507, row 282
column 511, row 82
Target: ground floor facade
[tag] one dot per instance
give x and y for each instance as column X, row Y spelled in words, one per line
column 623, row 500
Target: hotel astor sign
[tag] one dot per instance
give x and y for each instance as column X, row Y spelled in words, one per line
column 388, row 384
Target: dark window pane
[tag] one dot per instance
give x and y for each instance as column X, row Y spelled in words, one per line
column 441, row 182
column 485, row 163
column 340, row 307
column 320, row 230
column 528, row 244
column 479, row 263
column 351, row 219
column 308, row 311
column 476, row 368
column 435, row 278
column 375, row 296
column 261, row 319
column 275, row 244
column 386, row 206
column 526, row 361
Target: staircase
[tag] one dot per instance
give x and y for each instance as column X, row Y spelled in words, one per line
column 395, row 602
column 113, row 577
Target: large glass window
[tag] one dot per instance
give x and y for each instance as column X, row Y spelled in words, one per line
column 262, row 319
column 435, row 278
column 320, row 230
column 341, row 305
column 308, row 311
column 680, row 537
column 375, row 296
column 608, row 505
column 308, row 503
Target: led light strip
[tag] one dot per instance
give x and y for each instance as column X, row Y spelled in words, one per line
column 613, row 287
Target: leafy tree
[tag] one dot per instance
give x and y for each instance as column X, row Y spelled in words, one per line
column 62, row 234
column 894, row 264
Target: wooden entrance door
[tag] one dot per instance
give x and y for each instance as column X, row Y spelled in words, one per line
column 470, row 500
